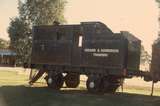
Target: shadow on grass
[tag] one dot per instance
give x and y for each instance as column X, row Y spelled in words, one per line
column 42, row 96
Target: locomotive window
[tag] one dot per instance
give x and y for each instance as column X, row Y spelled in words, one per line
column 80, row 41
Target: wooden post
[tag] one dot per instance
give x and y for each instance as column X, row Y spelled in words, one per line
column 152, row 88
column 122, row 83
column 31, row 74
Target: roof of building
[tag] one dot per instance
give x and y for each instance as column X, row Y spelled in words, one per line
column 7, row 52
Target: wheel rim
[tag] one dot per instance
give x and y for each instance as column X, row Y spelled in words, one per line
column 91, row 85
column 55, row 82
column 50, row 81
column 72, row 80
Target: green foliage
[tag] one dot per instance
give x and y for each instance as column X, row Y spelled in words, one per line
column 43, row 12
column 158, row 39
column 4, row 44
column 19, row 33
column 32, row 12
column 158, row 1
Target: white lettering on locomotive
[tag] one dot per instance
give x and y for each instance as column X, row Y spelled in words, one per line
column 102, row 50
column 90, row 50
column 110, row 50
column 100, row 54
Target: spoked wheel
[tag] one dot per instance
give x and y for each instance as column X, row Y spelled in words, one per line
column 72, row 80
column 93, row 84
column 55, row 81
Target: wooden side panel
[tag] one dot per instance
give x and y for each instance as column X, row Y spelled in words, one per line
column 52, row 45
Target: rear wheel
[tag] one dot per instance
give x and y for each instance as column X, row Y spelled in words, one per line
column 72, row 80
column 93, row 84
column 55, row 81
column 111, row 88
column 110, row 84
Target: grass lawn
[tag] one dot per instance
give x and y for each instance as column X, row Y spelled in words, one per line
column 15, row 92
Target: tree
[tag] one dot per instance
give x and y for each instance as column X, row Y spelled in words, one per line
column 158, row 39
column 145, row 57
column 4, row 44
column 42, row 12
column 19, row 33
column 32, row 12
column 158, row 1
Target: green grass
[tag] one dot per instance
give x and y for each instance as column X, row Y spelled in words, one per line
column 142, row 90
column 12, row 78
column 15, row 92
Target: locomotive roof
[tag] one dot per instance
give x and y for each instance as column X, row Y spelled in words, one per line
column 93, row 23
column 130, row 36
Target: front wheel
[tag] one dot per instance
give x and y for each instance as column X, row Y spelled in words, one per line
column 55, row 81
column 72, row 80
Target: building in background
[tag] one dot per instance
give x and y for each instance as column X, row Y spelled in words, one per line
column 7, row 57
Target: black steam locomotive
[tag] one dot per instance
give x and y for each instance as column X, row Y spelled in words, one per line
column 91, row 49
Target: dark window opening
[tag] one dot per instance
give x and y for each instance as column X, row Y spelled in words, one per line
column 59, row 36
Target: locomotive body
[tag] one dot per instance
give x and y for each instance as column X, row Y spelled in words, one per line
column 89, row 45
column 89, row 48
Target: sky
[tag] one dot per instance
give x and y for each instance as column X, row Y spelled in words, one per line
column 140, row 17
